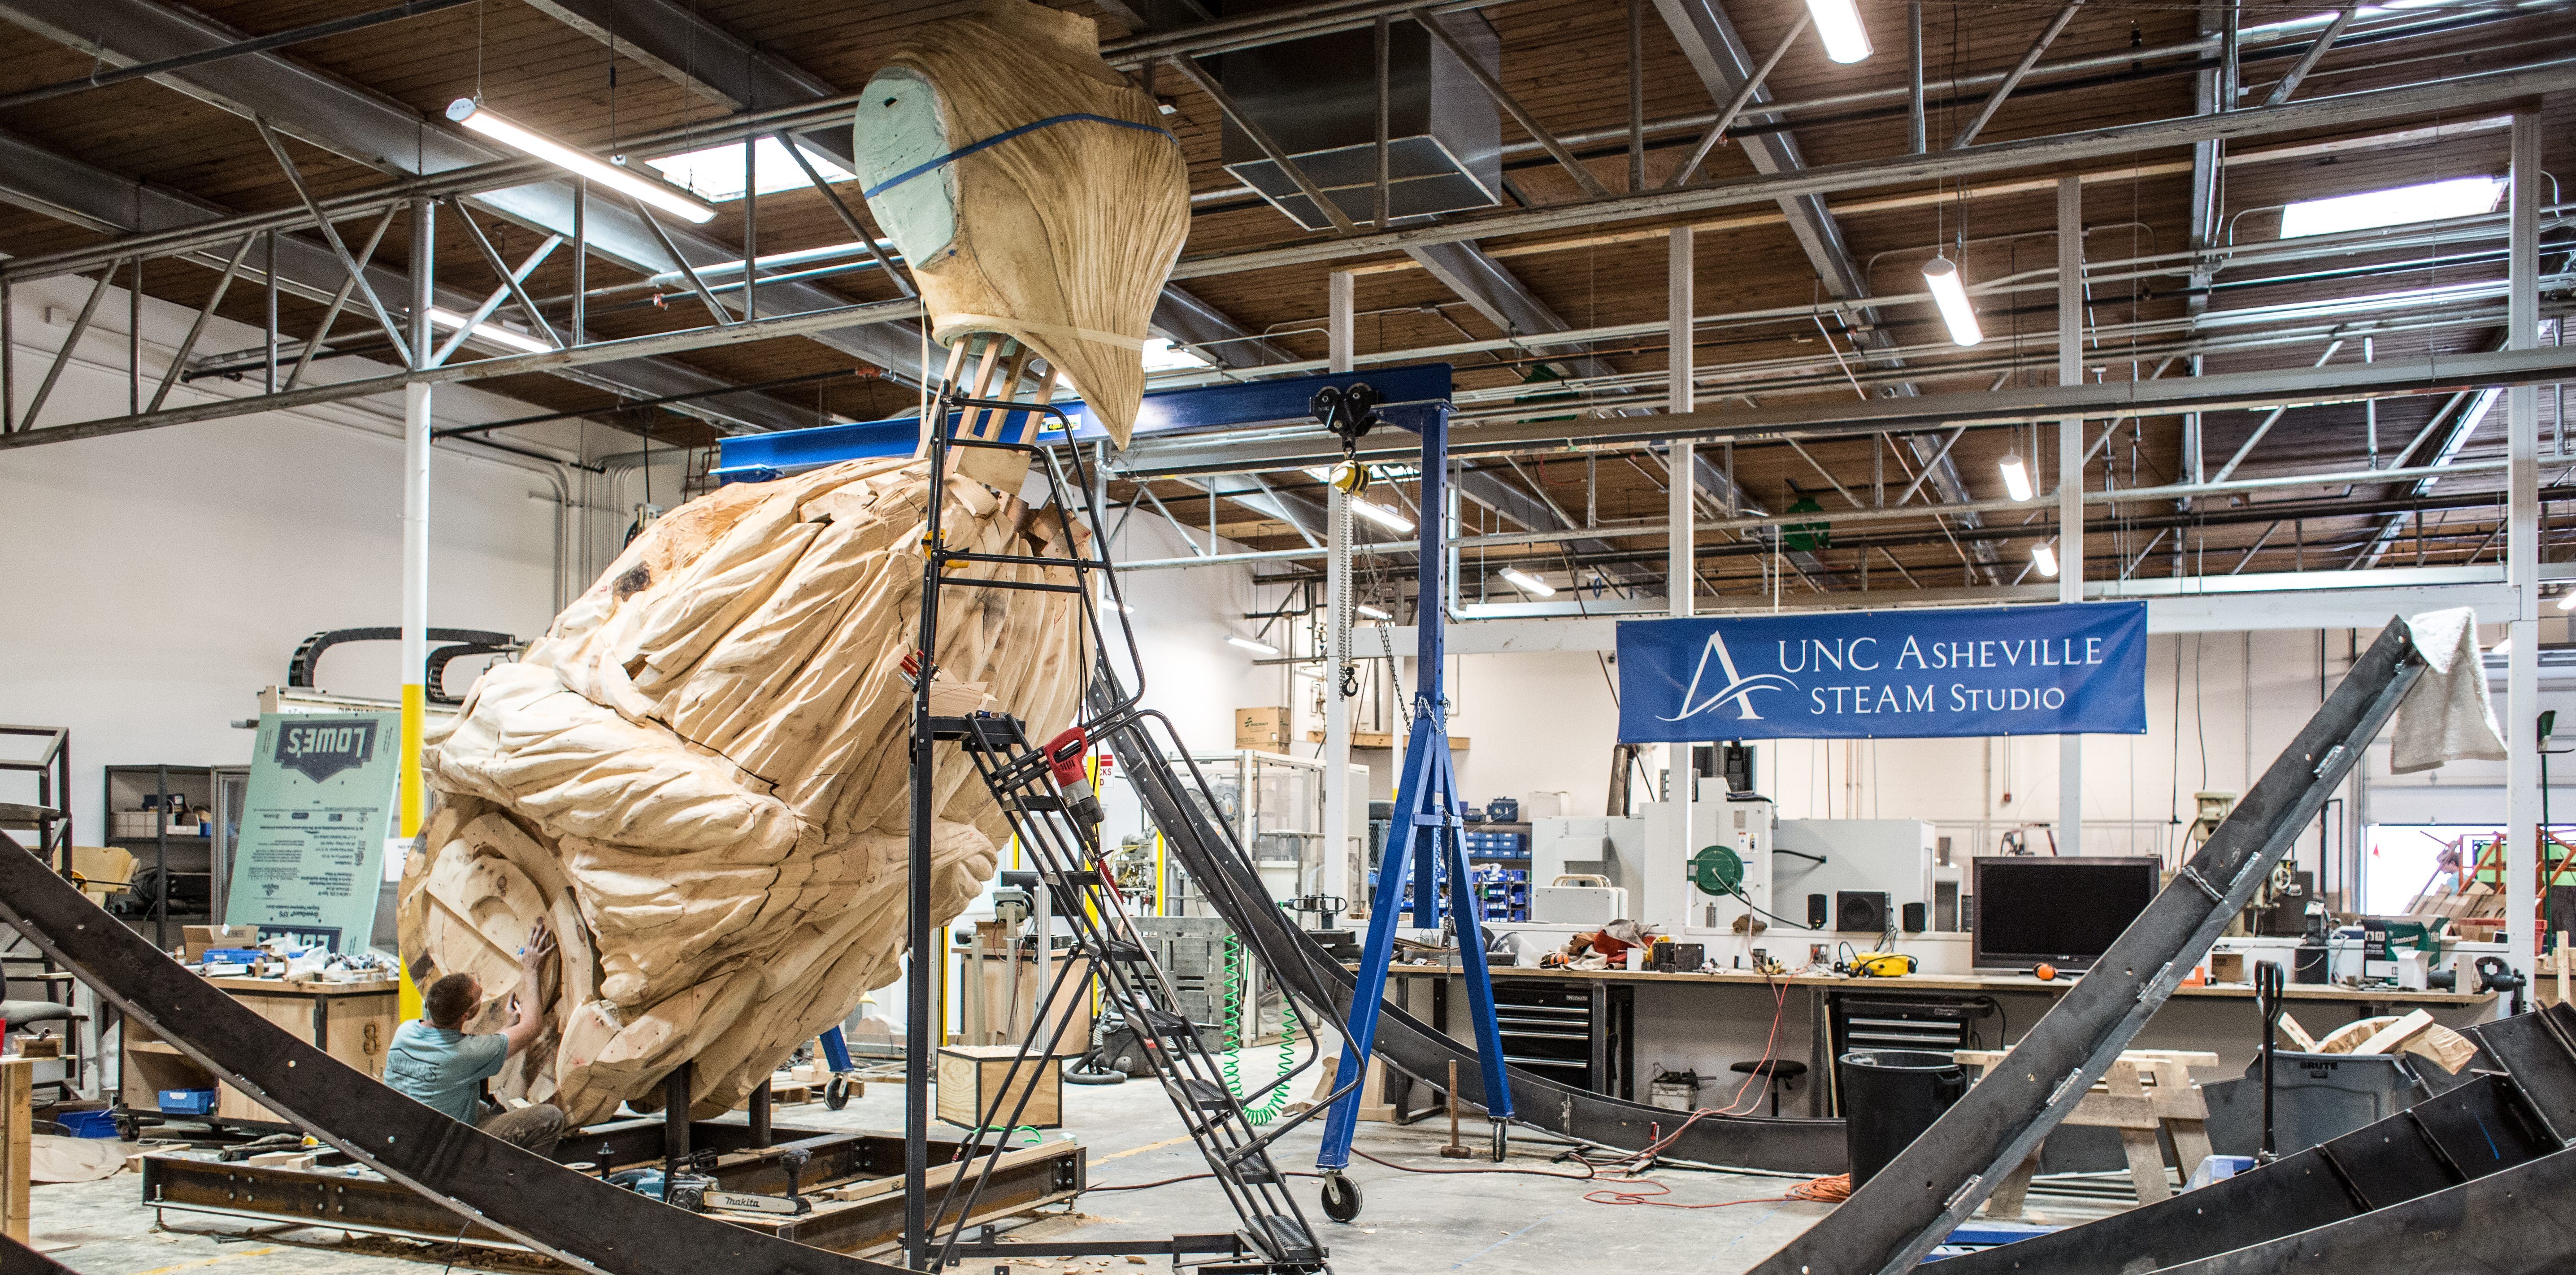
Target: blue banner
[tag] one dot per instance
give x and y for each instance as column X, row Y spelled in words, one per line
column 2046, row 670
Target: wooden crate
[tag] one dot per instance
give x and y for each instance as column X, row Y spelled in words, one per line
column 970, row 1084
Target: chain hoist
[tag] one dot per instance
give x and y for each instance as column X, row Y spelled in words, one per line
column 1349, row 412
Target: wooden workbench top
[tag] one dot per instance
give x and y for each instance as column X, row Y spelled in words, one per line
column 1963, row 983
column 281, row 987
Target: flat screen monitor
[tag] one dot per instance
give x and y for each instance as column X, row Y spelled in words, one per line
column 2063, row 911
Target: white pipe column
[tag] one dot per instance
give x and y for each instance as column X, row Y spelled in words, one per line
column 1683, row 478
column 1336, row 878
column 415, row 541
column 1681, row 485
column 2522, row 558
column 2070, row 483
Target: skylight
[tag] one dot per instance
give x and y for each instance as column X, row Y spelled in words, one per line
column 1163, row 356
column 2397, row 206
column 716, row 172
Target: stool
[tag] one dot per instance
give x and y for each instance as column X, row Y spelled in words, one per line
column 1776, row 1071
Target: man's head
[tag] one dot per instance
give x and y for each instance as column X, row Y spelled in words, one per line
column 449, row 1000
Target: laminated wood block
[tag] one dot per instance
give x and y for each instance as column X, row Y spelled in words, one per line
column 1035, row 193
column 975, row 1082
column 698, row 779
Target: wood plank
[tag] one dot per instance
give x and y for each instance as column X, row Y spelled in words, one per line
column 17, row 1154
column 2389, row 1038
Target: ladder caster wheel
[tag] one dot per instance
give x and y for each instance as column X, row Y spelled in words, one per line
column 1341, row 1198
column 836, row 1093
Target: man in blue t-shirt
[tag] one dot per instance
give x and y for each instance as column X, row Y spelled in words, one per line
column 432, row 1060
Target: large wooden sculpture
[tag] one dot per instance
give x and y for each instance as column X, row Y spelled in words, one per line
column 699, row 777
column 1033, row 191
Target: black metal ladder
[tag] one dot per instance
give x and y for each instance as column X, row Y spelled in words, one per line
column 1055, row 819
column 1058, row 832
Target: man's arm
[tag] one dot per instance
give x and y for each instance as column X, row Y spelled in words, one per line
column 530, row 1012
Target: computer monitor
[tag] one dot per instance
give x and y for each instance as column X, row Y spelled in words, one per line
column 2062, row 911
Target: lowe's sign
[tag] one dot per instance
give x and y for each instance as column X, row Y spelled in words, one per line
column 2050, row 670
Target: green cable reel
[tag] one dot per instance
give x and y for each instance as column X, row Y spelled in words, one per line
column 1717, row 872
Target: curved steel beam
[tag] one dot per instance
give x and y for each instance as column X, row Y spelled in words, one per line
column 570, row 1216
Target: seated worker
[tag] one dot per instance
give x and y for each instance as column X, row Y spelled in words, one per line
column 433, row 1061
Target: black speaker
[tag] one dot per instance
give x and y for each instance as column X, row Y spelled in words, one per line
column 1913, row 913
column 1816, row 912
column 1861, row 911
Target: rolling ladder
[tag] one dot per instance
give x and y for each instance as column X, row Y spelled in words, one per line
column 1055, row 818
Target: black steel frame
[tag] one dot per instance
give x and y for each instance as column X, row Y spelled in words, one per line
column 571, row 1216
column 1910, row 1206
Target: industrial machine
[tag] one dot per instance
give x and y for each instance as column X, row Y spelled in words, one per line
column 1747, row 870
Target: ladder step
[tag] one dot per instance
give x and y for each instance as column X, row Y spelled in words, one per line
column 1041, row 801
column 1163, row 1023
column 1206, row 1095
column 1128, row 950
column 1256, row 1170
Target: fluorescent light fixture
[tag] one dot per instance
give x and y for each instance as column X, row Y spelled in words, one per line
column 1838, row 24
column 2567, row 600
column 1529, row 583
column 1382, row 516
column 1257, row 648
column 2396, row 206
column 1161, row 355
column 1318, row 473
column 2044, row 556
column 1950, row 294
column 1365, row 611
column 468, row 112
column 716, row 172
column 2016, row 477
column 2503, row 646
column 441, row 316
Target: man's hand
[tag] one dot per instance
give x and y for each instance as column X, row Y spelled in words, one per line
column 540, row 945
column 530, row 1013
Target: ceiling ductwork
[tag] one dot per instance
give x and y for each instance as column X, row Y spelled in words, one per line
column 1317, row 98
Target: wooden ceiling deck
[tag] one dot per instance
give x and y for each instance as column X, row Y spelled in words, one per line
column 1567, row 62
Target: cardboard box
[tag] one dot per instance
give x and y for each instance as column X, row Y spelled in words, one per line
column 1261, row 728
column 2227, row 967
column 199, row 939
column 102, row 870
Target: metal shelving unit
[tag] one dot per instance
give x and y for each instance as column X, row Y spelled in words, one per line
column 176, row 859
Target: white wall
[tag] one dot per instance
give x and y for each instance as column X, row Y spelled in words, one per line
column 1181, row 621
column 158, row 580
column 1546, row 721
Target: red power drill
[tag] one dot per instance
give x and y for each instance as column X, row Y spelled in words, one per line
column 1064, row 756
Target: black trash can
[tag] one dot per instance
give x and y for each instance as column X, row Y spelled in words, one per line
column 1890, row 1096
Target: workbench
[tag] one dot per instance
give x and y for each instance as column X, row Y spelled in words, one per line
column 1642, row 1021
column 352, row 1022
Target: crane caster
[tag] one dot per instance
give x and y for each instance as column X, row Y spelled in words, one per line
column 1341, row 1198
column 836, row 1093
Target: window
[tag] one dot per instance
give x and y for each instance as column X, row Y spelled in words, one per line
column 2397, row 206
column 716, row 172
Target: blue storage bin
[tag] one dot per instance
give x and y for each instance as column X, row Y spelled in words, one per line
column 88, row 1124
column 187, row 1102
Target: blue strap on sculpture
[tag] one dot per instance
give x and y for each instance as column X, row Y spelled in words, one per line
column 1004, row 136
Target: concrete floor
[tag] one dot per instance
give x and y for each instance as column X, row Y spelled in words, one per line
column 1410, row 1222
